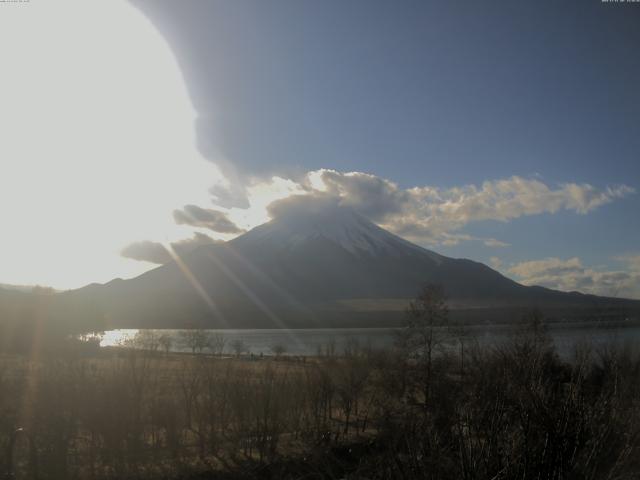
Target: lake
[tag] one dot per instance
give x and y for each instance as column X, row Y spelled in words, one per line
column 314, row 341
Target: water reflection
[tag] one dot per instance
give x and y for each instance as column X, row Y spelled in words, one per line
column 337, row 341
column 116, row 338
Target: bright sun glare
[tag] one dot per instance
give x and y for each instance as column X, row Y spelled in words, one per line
column 97, row 143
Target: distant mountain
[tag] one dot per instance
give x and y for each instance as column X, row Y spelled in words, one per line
column 327, row 267
column 20, row 288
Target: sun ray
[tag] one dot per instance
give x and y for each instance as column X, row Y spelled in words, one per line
column 287, row 296
column 191, row 278
column 255, row 299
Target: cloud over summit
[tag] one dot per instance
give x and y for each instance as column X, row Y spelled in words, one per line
column 435, row 215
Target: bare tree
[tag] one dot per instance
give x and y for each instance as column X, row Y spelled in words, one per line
column 195, row 340
column 425, row 332
column 217, row 342
column 165, row 341
column 146, row 340
column 278, row 349
column 351, row 347
column 239, row 347
column 351, row 380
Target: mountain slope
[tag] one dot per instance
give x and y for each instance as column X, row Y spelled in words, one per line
column 305, row 269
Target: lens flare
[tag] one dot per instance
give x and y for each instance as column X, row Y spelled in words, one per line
column 98, row 144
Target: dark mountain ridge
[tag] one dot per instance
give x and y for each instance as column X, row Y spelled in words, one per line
column 311, row 269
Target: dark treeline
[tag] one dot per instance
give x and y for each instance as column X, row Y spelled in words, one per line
column 436, row 406
column 44, row 320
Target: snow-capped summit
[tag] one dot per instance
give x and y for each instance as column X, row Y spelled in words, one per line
column 332, row 223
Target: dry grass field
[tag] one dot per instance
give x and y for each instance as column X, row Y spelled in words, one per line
column 457, row 413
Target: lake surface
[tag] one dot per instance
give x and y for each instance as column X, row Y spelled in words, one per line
column 321, row 340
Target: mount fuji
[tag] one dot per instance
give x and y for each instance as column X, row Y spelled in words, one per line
column 321, row 267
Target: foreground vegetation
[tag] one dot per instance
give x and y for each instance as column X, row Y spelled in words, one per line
column 516, row 411
column 436, row 406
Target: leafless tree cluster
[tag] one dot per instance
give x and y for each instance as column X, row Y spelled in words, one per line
column 437, row 406
column 141, row 413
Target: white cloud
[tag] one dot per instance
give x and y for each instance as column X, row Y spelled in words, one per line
column 214, row 220
column 427, row 213
column 572, row 275
column 434, row 216
column 156, row 252
column 548, row 266
column 495, row 262
column 631, row 260
column 492, row 242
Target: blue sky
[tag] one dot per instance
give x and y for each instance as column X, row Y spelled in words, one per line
column 439, row 94
column 505, row 132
